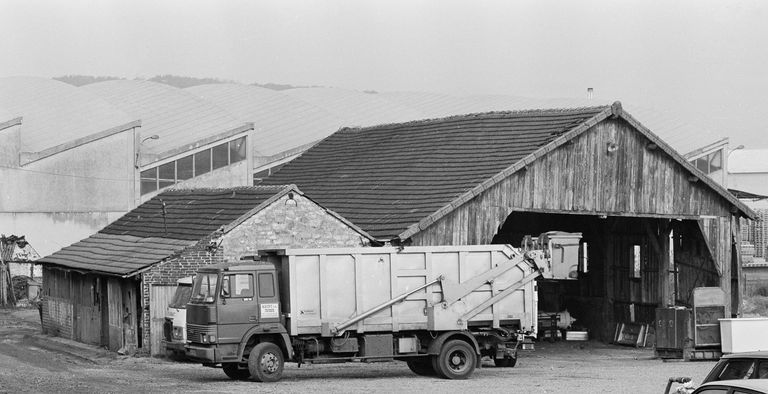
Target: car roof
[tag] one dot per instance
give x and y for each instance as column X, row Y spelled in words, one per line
column 757, row 354
column 760, row 385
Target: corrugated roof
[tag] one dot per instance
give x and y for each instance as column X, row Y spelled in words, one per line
column 356, row 109
column 54, row 112
column 389, row 177
column 744, row 161
column 281, row 122
column 178, row 117
column 161, row 227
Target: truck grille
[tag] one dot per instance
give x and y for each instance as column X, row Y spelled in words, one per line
column 195, row 330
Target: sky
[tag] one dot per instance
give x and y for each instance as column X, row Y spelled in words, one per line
column 704, row 60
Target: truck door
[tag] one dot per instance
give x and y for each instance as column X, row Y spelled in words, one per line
column 268, row 296
column 237, row 309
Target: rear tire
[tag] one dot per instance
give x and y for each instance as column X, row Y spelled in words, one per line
column 265, row 362
column 457, row 360
column 235, row 373
column 422, row 367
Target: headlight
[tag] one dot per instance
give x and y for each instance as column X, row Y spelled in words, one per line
column 208, row 338
column 178, row 333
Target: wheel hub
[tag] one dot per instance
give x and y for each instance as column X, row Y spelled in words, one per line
column 269, row 363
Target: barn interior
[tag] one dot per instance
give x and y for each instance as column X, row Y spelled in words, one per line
column 627, row 267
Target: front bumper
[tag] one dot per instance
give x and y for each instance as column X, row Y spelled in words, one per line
column 174, row 346
column 206, row 354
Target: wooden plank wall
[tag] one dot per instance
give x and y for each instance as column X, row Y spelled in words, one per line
column 160, row 296
column 584, row 176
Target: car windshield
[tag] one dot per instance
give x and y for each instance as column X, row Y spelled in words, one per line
column 181, row 296
column 204, row 289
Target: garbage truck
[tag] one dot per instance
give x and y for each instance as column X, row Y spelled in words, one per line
column 440, row 309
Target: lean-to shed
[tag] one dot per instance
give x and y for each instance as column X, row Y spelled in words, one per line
column 654, row 225
column 112, row 289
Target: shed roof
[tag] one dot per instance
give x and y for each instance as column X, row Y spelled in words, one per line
column 178, row 117
column 163, row 226
column 389, row 179
column 281, row 122
column 683, row 136
column 54, row 112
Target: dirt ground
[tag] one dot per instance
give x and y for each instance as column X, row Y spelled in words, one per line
column 32, row 362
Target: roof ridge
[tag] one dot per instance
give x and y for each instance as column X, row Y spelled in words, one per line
column 472, row 115
column 225, row 189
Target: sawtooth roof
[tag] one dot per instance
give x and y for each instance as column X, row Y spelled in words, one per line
column 281, row 122
column 391, row 179
column 55, row 113
column 163, row 226
column 178, row 117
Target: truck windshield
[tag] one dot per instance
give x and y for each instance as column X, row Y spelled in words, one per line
column 181, row 296
column 204, row 289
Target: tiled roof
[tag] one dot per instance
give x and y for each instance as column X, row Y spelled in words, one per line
column 388, row 177
column 162, row 226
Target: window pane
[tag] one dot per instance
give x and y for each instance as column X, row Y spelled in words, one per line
column 202, row 162
column 237, row 150
column 167, row 171
column 636, row 261
column 715, row 161
column 702, row 163
column 242, row 285
column 149, row 180
column 220, row 156
column 266, row 285
column 184, row 168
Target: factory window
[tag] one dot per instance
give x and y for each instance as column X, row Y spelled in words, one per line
column 149, row 180
column 710, row 163
column 185, row 168
column 197, row 164
column 166, row 175
column 220, row 156
column 636, row 261
column 237, row 150
column 202, row 162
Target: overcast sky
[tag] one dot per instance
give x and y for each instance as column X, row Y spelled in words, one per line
column 705, row 60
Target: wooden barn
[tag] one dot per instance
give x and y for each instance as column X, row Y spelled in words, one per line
column 653, row 226
column 112, row 289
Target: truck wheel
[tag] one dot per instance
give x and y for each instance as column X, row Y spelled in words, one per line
column 266, row 362
column 235, row 373
column 457, row 360
column 421, row 367
column 506, row 362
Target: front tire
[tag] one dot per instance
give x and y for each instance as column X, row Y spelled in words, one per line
column 235, row 373
column 265, row 362
column 457, row 360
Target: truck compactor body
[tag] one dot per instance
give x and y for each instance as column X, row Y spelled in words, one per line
column 438, row 308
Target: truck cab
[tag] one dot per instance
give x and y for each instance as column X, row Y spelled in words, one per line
column 175, row 324
column 229, row 304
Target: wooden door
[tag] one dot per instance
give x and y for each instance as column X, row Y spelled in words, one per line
column 159, row 298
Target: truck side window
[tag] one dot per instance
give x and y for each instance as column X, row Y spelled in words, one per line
column 238, row 286
column 266, row 285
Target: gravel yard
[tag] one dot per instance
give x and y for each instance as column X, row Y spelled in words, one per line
column 32, row 362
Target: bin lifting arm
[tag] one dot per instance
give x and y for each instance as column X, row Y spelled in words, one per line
column 453, row 291
column 341, row 326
